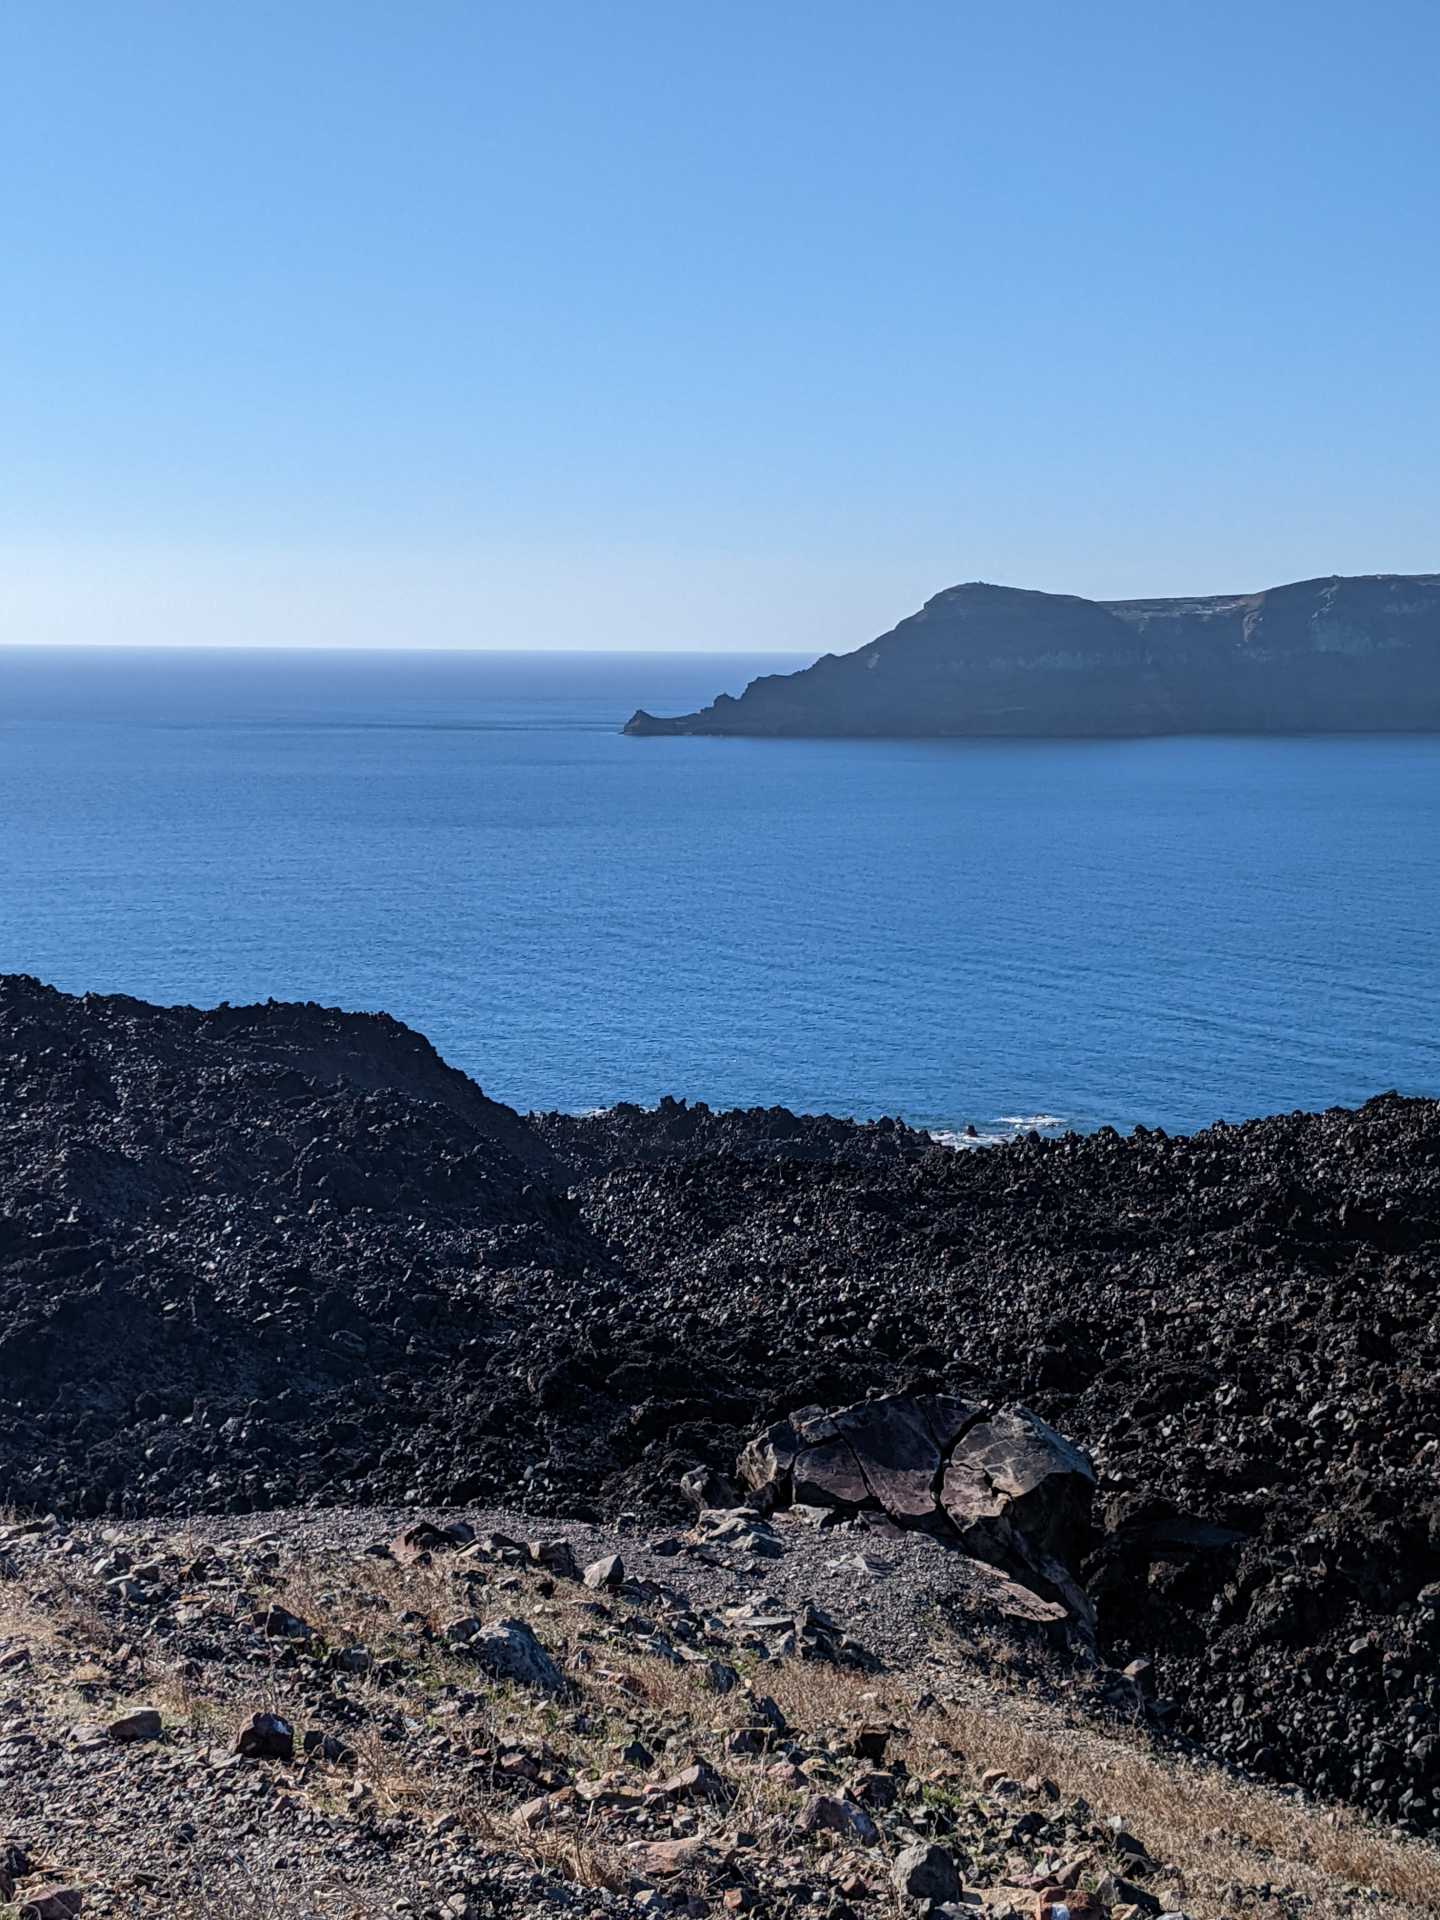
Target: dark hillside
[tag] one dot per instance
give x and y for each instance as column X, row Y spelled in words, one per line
column 279, row 1255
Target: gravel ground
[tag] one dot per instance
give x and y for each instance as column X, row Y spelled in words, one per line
column 644, row 1745
column 890, row 1592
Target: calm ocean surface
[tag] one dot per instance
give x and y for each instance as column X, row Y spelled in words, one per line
column 1162, row 931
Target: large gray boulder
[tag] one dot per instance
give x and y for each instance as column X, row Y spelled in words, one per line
column 1006, row 1487
column 1019, row 1495
column 884, row 1453
column 1014, row 1484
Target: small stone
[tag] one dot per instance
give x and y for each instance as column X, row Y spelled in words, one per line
column 266, row 1737
column 352, row 1660
column 925, row 1872
column 768, row 1715
column 144, row 1724
column 555, row 1556
column 703, row 1487
column 824, row 1811
column 278, row 1623
column 510, row 1651
column 699, row 1781
column 544, row 1809
column 604, row 1576
column 1125, row 1843
column 661, row 1858
column 875, row 1788
column 1076, row 1905
column 995, row 1780
column 417, row 1541
column 869, row 1743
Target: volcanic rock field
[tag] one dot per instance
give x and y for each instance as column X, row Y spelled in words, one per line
column 279, row 1257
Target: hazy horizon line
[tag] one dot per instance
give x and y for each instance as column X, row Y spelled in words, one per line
column 410, row 652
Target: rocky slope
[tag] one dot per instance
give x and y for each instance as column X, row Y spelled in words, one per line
column 273, row 1256
column 353, row 1715
column 1320, row 656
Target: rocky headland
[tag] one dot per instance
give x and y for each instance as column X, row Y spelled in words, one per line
column 1339, row 655
column 1119, row 1440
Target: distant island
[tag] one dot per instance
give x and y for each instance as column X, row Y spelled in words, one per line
column 1339, row 655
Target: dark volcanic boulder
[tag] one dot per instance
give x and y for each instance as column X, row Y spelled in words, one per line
column 1008, row 1488
column 1014, row 1485
column 885, row 1453
column 1019, row 1496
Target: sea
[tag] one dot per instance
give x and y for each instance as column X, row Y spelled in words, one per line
column 987, row 935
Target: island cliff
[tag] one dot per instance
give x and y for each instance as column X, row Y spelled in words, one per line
column 1321, row 656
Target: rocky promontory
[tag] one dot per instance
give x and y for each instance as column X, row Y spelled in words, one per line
column 1147, row 1403
column 1337, row 655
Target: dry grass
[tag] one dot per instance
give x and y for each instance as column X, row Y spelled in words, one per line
column 584, row 1854
column 255, row 1890
column 1226, row 1842
column 1220, row 1833
column 1217, row 1830
column 63, row 1614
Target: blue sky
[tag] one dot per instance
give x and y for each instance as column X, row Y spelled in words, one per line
column 746, row 325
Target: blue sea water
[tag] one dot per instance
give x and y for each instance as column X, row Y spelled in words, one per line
column 993, row 933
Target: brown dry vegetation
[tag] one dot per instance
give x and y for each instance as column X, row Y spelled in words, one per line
column 1226, row 1842
column 1222, row 1834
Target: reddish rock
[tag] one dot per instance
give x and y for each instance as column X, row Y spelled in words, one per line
column 659, row 1859
column 419, row 1539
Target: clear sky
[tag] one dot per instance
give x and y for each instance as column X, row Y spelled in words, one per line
column 661, row 323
